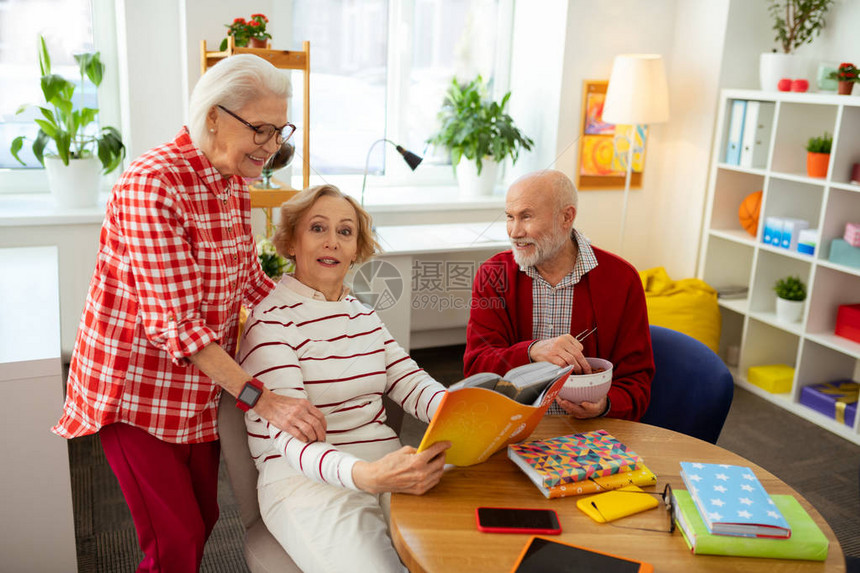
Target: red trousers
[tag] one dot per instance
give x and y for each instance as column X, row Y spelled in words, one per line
column 172, row 492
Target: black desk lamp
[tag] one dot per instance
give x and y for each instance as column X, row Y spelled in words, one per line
column 410, row 158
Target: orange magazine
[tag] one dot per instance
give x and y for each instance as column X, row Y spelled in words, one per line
column 479, row 422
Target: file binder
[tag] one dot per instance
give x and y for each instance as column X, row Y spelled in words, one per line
column 736, row 131
column 758, row 121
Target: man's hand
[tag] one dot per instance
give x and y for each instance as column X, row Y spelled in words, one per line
column 583, row 410
column 402, row 471
column 294, row 415
column 564, row 350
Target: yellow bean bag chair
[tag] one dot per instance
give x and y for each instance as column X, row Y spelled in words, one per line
column 688, row 306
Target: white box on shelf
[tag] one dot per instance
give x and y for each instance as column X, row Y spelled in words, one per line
column 807, row 240
column 791, row 229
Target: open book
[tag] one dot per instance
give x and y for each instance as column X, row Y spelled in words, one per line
column 481, row 414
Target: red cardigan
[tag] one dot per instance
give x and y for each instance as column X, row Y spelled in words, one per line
column 609, row 296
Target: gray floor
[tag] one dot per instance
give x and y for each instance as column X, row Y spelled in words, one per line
column 821, row 466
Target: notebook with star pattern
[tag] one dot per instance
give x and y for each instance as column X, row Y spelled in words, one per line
column 732, row 501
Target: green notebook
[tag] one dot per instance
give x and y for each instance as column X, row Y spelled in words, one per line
column 807, row 541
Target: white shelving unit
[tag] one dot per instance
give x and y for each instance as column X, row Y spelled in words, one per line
column 730, row 256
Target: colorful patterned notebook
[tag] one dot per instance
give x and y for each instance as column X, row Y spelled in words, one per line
column 732, row 501
column 573, row 458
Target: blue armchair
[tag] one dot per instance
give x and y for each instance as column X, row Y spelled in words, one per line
column 692, row 389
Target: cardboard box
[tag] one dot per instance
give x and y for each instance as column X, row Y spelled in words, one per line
column 848, row 322
column 837, row 400
column 775, row 378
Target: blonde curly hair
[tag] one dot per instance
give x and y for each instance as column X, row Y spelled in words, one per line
column 293, row 210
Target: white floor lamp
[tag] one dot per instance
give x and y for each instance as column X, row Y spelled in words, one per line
column 637, row 95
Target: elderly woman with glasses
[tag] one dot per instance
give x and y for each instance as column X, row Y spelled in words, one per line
column 153, row 353
column 327, row 502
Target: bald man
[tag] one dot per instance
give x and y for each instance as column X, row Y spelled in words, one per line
column 529, row 303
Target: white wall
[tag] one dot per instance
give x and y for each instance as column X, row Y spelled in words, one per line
column 667, row 234
column 596, row 32
column 706, row 45
column 536, row 87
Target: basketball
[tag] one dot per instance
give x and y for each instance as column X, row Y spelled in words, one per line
column 749, row 212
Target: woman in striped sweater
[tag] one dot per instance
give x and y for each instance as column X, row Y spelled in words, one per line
column 327, row 502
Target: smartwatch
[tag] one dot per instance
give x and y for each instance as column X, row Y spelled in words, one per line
column 251, row 392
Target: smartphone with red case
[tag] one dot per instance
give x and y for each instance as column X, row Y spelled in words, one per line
column 517, row 520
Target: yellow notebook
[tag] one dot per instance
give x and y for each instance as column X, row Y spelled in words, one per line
column 616, row 504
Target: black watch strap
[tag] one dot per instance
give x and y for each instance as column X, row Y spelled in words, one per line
column 249, row 395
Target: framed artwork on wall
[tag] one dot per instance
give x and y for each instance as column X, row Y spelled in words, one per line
column 603, row 146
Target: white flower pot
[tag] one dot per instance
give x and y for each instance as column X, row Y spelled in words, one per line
column 775, row 66
column 473, row 185
column 74, row 185
column 789, row 310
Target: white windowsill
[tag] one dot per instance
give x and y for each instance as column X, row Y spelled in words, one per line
column 32, row 209
column 29, row 209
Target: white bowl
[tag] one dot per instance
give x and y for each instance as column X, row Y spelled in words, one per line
column 588, row 387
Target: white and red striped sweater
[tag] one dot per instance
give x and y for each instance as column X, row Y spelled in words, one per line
column 341, row 357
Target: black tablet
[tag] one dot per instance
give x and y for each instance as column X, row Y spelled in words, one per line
column 541, row 555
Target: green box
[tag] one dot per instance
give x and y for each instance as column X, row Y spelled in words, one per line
column 842, row 253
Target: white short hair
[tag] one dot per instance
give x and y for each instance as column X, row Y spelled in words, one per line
column 233, row 83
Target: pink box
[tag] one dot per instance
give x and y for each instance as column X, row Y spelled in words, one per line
column 852, row 234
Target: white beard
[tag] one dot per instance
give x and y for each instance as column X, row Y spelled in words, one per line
column 546, row 248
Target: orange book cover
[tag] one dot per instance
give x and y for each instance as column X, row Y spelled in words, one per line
column 479, row 422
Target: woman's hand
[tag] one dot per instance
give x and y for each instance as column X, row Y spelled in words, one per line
column 294, row 415
column 403, row 471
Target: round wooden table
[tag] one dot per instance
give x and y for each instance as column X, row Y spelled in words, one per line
column 436, row 533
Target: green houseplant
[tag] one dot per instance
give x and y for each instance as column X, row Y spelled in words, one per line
column 248, row 32
column 273, row 263
column 795, row 23
column 474, row 127
column 790, row 288
column 818, row 155
column 790, row 294
column 68, row 136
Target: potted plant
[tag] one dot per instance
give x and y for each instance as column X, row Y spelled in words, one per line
column 273, row 263
column 69, row 145
column 248, row 33
column 847, row 76
column 818, row 155
column 795, row 22
column 790, row 294
column 479, row 134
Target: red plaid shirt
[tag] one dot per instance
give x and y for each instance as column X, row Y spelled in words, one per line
column 176, row 261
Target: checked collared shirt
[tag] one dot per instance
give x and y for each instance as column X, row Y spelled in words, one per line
column 176, row 261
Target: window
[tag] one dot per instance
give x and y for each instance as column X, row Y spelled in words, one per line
column 380, row 68
column 67, row 26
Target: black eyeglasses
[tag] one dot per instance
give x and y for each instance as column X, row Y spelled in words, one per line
column 668, row 503
column 265, row 132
